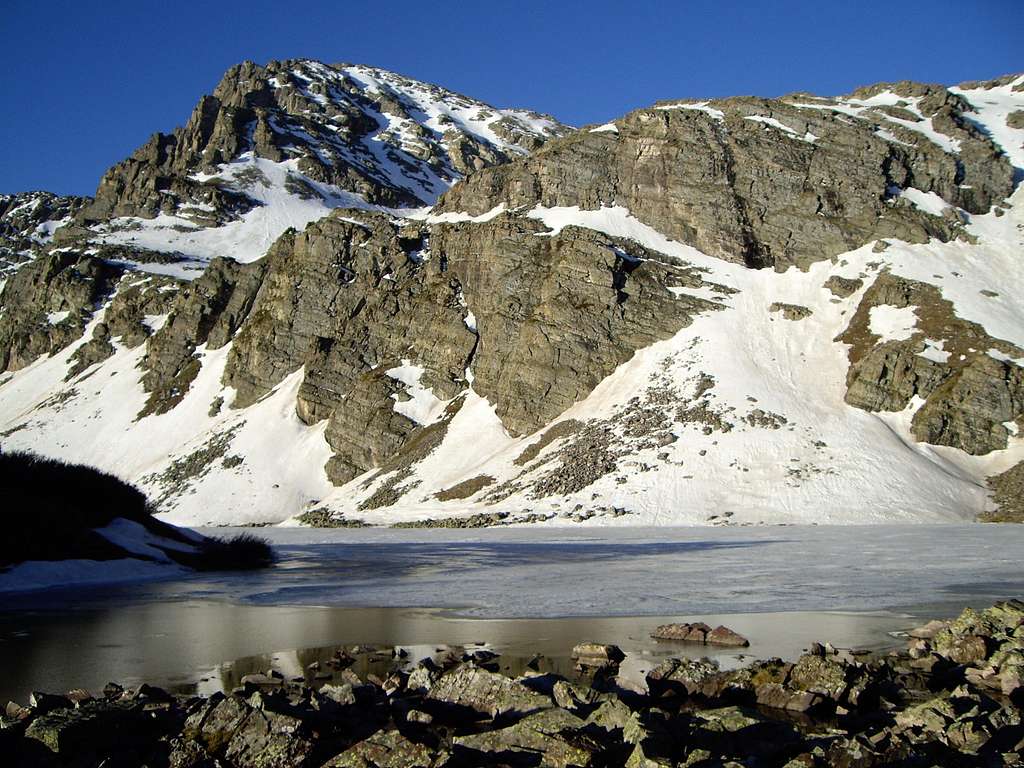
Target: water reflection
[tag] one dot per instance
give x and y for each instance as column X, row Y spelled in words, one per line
column 208, row 645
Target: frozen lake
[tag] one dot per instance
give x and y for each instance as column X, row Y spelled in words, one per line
column 519, row 590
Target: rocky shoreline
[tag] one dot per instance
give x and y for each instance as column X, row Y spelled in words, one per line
column 951, row 697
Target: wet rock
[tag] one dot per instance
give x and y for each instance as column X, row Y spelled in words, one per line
column 700, row 633
column 724, row 636
column 597, row 655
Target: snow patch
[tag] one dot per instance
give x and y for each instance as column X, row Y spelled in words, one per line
column 422, row 406
column 892, row 323
column 929, row 202
column 460, row 217
column 700, row 106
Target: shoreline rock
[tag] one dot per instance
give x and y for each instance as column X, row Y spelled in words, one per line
column 953, row 697
column 699, row 632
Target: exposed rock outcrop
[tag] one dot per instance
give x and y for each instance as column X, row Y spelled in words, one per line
column 28, row 221
column 765, row 183
column 47, row 304
column 969, row 382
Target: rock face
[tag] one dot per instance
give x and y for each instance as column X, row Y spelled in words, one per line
column 970, row 385
column 357, row 129
column 49, row 301
column 1008, row 495
column 208, row 311
column 27, row 223
column 764, row 183
column 355, row 298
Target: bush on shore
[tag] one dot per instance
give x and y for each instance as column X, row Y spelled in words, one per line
column 51, row 510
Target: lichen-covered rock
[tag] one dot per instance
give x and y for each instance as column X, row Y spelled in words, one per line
column 680, row 676
column 486, row 693
column 817, row 674
column 843, row 287
column 553, row 735
column 385, row 749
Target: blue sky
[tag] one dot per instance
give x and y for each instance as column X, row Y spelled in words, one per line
column 84, row 83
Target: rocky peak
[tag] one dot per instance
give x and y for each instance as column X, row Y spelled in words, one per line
column 387, row 139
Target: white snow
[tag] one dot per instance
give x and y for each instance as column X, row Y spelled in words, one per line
column 857, row 108
column 245, row 239
column 929, row 202
column 421, row 406
column 809, row 137
column 993, row 107
column 155, row 322
column 995, row 354
column 699, row 106
column 283, row 458
column 892, row 323
column 461, row 217
column 56, row 318
column 934, row 351
column 606, row 128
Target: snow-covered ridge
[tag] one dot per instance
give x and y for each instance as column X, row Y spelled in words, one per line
column 326, row 136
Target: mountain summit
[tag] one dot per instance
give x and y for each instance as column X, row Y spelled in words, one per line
column 346, row 297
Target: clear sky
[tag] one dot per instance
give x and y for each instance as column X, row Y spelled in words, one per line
column 84, row 83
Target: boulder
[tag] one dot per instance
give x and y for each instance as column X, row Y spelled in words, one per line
column 597, row 655
column 552, row 736
column 486, row 693
column 385, row 749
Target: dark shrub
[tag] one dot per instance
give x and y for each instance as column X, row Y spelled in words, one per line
column 48, row 509
column 238, row 553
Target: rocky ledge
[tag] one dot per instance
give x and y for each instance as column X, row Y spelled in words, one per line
column 953, row 698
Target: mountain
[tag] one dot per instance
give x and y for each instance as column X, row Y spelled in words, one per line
column 730, row 312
